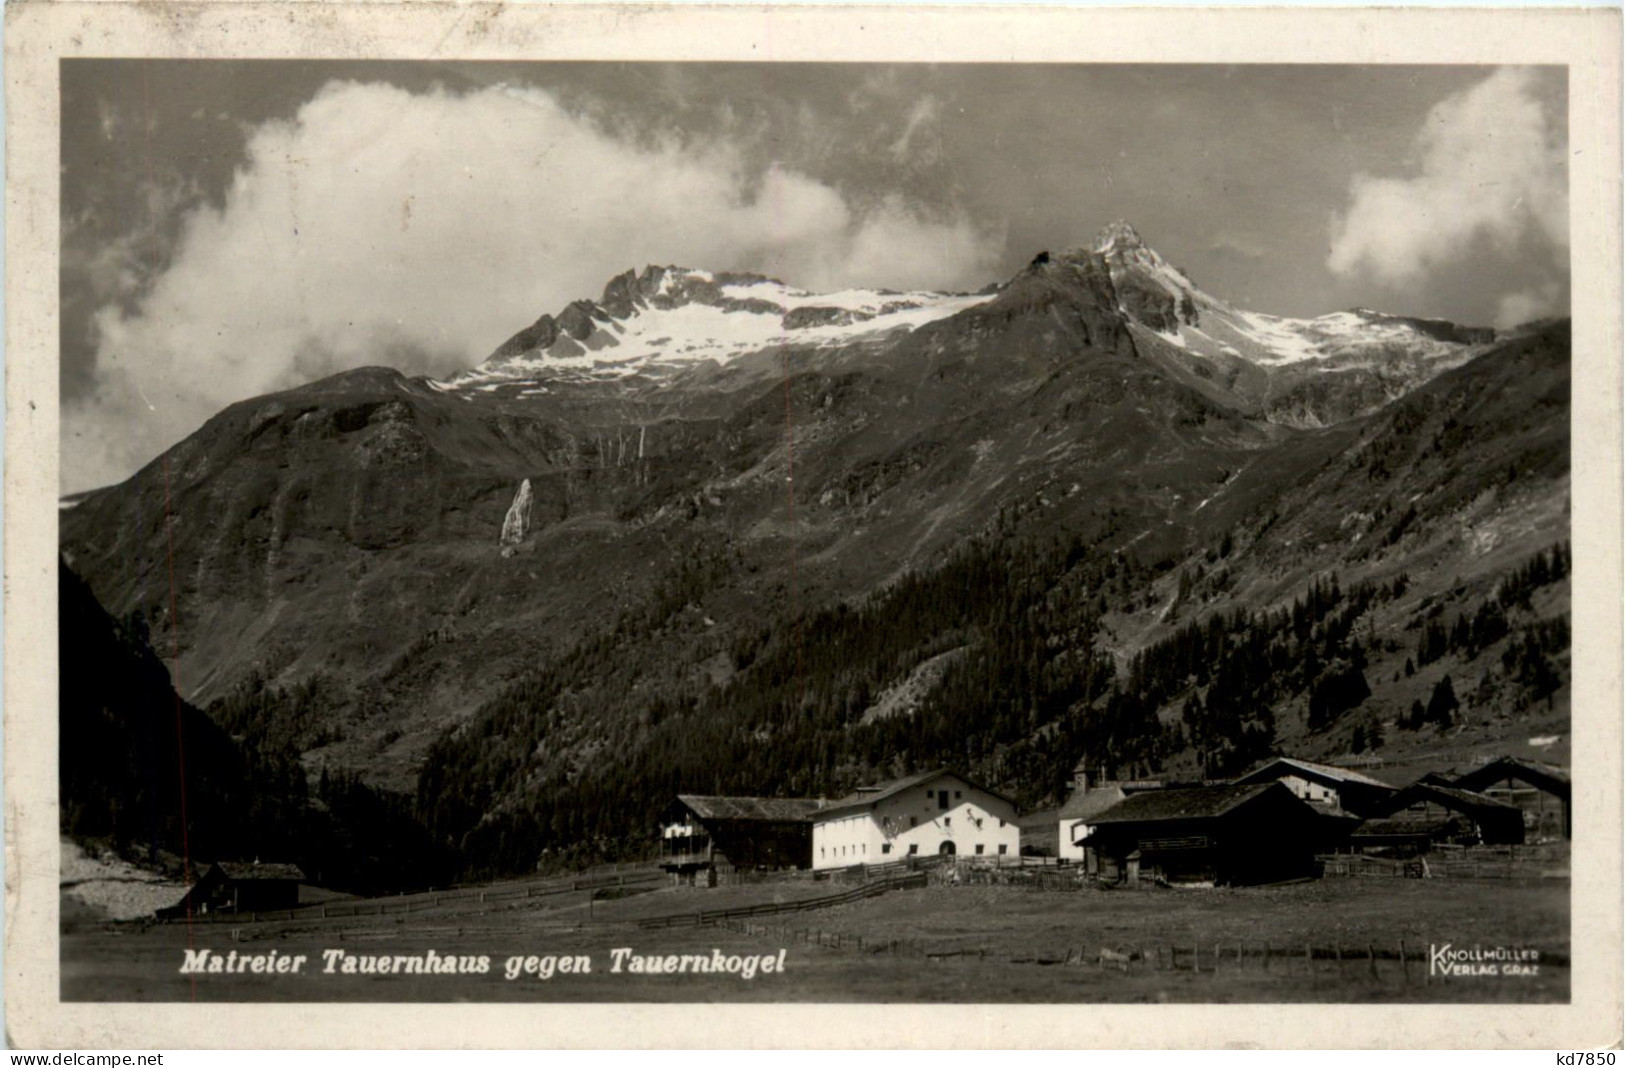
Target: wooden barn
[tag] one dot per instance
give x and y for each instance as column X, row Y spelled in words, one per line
column 1236, row 834
column 1323, row 784
column 1428, row 813
column 1540, row 791
column 726, row 834
column 933, row 813
column 239, row 886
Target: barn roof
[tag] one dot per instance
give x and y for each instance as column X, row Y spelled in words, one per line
column 767, row 809
column 252, row 871
column 1548, row 777
column 868, row 796
column 1308, row 767
column 1085, row 803
column 1452, row 797
column 1185, row 803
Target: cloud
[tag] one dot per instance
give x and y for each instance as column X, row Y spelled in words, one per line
column 421, row 229
column 1526, row 305
column 921, row 123
column 113, row 263
column 1491, row 170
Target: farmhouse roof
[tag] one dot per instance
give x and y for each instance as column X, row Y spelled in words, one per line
column 869, row 796
column 1085, row 803
column 253, row 871
column 1548, row 777
column 1452, row 797
column 1309, row 767
column 1192, row 802
column 769, row 809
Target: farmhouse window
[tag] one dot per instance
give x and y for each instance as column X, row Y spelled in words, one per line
column 1001, row 823
column 914, row 821
column 980, row 848
column 885, row 847
column 1003, row 849
column 947, row 821
column 913, row 849
column 942, row 798
column 958, row 794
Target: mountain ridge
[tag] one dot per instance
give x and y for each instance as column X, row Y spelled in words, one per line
column 1067, row 436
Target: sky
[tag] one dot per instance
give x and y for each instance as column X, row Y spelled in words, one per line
column 231, row 228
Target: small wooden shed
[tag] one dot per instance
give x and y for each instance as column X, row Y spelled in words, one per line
column 1540, row 791
column 1428, row 813
column 240, row 886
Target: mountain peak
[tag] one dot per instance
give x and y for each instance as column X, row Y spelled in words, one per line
column 1118, row 237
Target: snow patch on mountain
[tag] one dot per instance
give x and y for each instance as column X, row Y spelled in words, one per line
column 680, row 317
column 662, row 321
column 1205, row 325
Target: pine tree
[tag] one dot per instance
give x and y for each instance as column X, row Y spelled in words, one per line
column 1442, row 705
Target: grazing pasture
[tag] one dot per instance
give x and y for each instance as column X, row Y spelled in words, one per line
column 1332, row 940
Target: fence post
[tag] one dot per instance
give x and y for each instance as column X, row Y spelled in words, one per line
column 1404, row 962
column 1308, row 959
column 1371, row 956
column 1196, row 957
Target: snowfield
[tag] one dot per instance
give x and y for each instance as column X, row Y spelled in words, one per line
column 654, row 339
column 686, row 319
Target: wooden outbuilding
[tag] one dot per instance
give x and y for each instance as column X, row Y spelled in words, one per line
column 1427, row 813
column 1234, row 834
column 239, row 886
column 1540, row 791
column 728, row 834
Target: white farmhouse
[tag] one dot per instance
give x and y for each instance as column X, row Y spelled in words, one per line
column 931, row 813
column 1077, row 815
column 1076, row 818
column 1323, row 784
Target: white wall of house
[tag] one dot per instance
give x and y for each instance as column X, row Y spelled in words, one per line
column 1310, row 790
column 1073, row 828
column 917, row 822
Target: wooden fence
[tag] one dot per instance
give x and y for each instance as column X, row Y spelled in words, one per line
column 1538, row 861
column 1400, row 962
column 709, row 917
column 407, row 903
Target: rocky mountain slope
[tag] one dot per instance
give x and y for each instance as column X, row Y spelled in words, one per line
column 656, row 517
column 147, row 775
